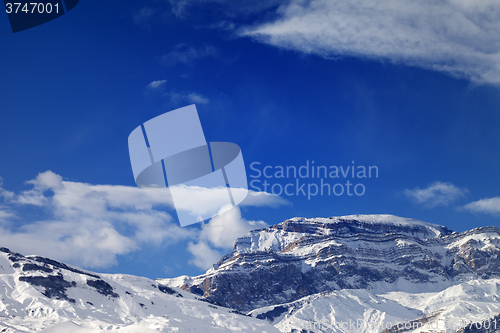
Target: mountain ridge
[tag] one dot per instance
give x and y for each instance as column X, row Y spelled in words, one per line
column 41, row 294
column 303, row 257
column 303, row 275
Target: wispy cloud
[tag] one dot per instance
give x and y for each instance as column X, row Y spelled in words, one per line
column 487, row 205
column 263, row 199
column 178, row 7
column 232, row 9
column 185, row 54
column 197, row 98
column 437, row 194
column 458, row 37
column 157, row 84
column 142, row 16
column 5, row 215
column 3, row 192
column 192, row 98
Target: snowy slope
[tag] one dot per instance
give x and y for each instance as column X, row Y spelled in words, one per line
column 364, row 311
column 358, row 273
column 343, row 310
column 39, row 294
column 280, row 236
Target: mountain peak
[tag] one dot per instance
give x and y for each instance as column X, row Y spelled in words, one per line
column 42, row 294
column 378, row 223
column 280, row 236
column 304, row 256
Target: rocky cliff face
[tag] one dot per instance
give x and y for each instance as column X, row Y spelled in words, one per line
column 301, row 257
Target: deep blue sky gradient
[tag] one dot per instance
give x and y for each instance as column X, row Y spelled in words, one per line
column 73, row 89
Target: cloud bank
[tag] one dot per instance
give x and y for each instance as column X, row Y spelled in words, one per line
column 91, row 225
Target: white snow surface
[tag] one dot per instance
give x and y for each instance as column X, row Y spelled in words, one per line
column 23, row 307
column 274, row 239
column 441, row 305
column 359, row 310
column 271, row 239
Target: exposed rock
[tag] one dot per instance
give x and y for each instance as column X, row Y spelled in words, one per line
column 301, row 257
column 55, row 286
column 102, row 288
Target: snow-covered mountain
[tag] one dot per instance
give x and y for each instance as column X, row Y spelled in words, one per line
column 42, row 295
column 375, row 262
column 359, row 273
column 471, row 304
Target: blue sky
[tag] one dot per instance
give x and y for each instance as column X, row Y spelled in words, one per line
column 409, row 87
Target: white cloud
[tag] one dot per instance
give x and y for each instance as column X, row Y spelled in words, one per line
column 221, row 232
column 261, row 199
column 44, row 181
column 90, row 225
column 488, row 205
column 193, row 98
column 458, row 37
column 5, row 215
column 157, row 84
column 32, row 197
column 437, row 194
column 142, row 17
column 47, row 180
column 223, row 229
column 204, row 255
column 205, row 202
column 186, row 54
column 84, row 242
column 4, row 193
column 197, row 98
column 83, row 221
